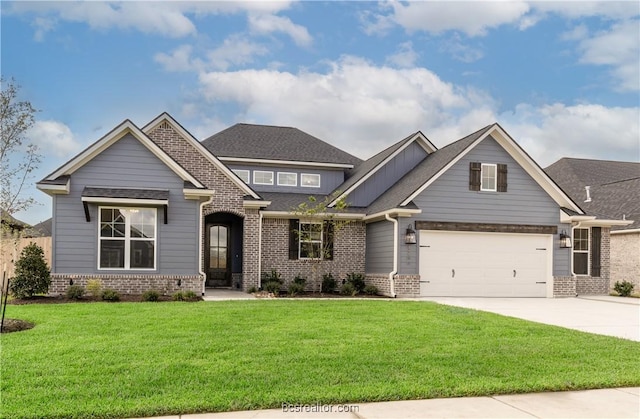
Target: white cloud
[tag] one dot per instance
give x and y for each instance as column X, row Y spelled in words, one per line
column 405, row 57
column 269, row 23
column 461, row 51
column 53, row 137
column 179, row 59
column 618, row 47
column 235, row 50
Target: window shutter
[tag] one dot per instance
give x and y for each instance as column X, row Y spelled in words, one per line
column 502, row 178
column 294, row 228
column 475, row 171
column 327, row 232
column 596, row 238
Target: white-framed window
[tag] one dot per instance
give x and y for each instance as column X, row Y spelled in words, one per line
column 310, row 180
column 262, row 177
column 489, row 177
column 287, row 179
column 581, row 251
column 242, row 174
column 127, row 238
column 310, row 240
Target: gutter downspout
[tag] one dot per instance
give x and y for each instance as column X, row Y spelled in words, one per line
column 260, row 250
column 200, row 240
column 392, row 283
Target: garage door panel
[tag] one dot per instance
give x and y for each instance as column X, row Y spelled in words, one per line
column 483, row 264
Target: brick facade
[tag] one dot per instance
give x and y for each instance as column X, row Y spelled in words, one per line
column 625, row 258
column 349, row 246
column 564, row 286
column 130, row 284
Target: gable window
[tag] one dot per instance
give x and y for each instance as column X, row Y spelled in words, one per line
column 243, row 175
column 487, row 177
column 127, row 238
column 310, row 239
column 287, row 179
column 581, row 251
column 261, row 177
column 310, row 180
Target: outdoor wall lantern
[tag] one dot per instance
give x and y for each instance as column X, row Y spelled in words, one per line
column 410, row 236
column 179, row 282
column 565, row 240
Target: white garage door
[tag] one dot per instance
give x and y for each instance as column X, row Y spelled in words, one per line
column 484, row 264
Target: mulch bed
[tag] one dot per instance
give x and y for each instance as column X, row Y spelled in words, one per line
column 16, row 325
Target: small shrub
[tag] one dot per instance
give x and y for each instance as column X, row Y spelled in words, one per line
column 110, row 295
column 252, row 290
column 31, row 273
column 75, row 292
column 272, row 287
column 328, row 283
column 295, row 289
column 357, row 280
column 624, row 288
column 371, row 290
column 178, row 296
column 348, row 289
column 300, row 280
column 150, row 295
column 94, row 287
column 272, row 276
column 184, row 296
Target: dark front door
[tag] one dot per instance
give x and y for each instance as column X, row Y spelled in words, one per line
column 218, row 255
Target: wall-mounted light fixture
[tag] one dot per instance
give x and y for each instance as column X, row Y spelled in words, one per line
column 565, row 240
column 410, row 236
column 179, row 282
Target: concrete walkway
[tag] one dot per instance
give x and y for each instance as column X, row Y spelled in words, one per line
column 605, row 403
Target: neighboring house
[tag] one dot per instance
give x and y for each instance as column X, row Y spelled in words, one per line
column 607, row 189
column 10, row 225
column 153, row 208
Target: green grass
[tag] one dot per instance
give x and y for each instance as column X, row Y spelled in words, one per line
column 143, row 359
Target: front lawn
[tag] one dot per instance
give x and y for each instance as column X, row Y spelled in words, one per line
column 144, row 359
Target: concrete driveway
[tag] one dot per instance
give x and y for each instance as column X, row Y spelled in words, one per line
column 604, row 315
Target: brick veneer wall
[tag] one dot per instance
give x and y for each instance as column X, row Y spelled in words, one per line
column 348, row 251
column 380, row 281
column 625, row 259
column 407, row 285
column 228, row 196
column 564, row 286
column 129, row 284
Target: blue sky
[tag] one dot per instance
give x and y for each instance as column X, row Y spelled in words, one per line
column 563, row 78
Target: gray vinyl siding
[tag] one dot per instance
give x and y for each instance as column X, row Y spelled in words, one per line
column 379, row 245
column 329, row 179
column 127, row 163
column 449, row 199
column 387, row 175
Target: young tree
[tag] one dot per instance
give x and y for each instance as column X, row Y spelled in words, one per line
column 18, row 158
column 319, row 225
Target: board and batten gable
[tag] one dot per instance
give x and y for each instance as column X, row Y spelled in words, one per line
column 329, row 178
column 449, row 199
column 125, row 164
column 387, row 176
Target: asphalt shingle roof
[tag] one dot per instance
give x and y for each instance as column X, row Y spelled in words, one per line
column 275, row 143
column 614, row 187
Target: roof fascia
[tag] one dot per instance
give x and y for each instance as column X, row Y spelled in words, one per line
column 286, row 162
column 190, row 193
column 324, row 215
column 629, row 231
column 605, row 223
column 53, row 189
column 165, row 117
column 399, row 212
column 417, row 137
column 520, row 156
column 126, row 127
column 124, row 201
column 255, row 204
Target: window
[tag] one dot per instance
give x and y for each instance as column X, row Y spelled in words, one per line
column 261, row 177
column 127, row 238
column 287, row 179
column 488, row 177
column 310, row 241
column 310, row 180
column 242, row 174
column 581, row 251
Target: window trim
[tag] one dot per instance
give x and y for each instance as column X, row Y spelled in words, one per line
column 495, row 177
column 587, row 251
column 262, row 172
column 300, row 240
column 241, row 176
column 128, row 239
column 288, row 184
column 310, row 174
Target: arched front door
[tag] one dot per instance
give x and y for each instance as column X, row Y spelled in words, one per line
column 218, row 255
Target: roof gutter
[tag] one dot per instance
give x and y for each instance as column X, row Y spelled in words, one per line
column 200, row 240
column 392, row 283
